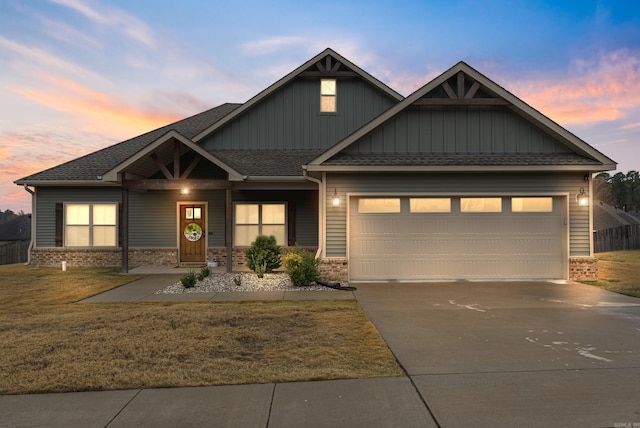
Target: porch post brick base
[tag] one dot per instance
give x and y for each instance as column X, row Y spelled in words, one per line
column 334, row 269
column 583, row 269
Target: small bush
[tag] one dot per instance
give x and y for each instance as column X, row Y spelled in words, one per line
column 264, row 253
column 301, row 266
column 189, row 280
column 204, row 272
column 237, row 280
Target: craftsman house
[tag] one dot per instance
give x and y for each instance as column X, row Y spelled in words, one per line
column 459, row 180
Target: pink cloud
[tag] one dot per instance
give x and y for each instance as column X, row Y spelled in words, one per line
column 603, row 89
column 95, row 110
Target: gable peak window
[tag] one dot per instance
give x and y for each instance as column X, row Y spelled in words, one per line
column 328, row 96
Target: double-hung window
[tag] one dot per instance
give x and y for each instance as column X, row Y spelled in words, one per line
column 256, row 219
column 90, row 225
column 328, row 96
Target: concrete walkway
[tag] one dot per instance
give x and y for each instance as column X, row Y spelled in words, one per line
column 525, row 354
column 144, row 290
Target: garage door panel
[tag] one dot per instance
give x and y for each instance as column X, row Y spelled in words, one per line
column 409, row 246
column 382, row 246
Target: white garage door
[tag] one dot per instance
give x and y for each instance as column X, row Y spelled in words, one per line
column 421, row 238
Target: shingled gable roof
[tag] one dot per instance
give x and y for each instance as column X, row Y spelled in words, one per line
column 90, row 169
column 289, row 77
column 584, row 157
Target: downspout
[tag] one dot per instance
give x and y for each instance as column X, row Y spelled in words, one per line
column 33, row 223
column 321, row 219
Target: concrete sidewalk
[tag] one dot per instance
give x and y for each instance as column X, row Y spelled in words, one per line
column 380, row 402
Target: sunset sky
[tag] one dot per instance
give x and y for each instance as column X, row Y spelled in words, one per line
column 80, row 75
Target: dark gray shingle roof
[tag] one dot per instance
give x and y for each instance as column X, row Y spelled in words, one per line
column 419, row 159
column 95, row 164
column 267, row 162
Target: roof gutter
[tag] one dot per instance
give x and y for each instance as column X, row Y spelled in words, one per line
column 33, row 223
column 321, row 221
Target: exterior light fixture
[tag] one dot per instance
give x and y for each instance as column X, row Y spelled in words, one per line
column 184, row 191
column 582, row 198
column 336, row 198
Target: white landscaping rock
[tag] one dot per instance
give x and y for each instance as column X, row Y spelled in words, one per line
column 224, row 282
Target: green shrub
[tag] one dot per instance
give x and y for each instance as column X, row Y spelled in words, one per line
column 237, row 280
column 204, row 272
column 301, row 266
column 189, row 280
column 263, row 255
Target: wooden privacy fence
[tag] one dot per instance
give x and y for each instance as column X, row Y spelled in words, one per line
column 14, row 252
column 617, row 238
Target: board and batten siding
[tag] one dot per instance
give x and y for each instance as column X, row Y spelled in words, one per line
column 457, row 129
column 455, row 184
column 290, row 118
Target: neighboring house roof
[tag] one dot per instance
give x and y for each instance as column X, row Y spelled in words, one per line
column 18, row 229
column 94, row 165
column 606, row 217
column 465, row 97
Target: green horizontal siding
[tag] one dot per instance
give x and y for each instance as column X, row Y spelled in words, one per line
column 153, row 214
column 447, row 184
column 459, row 129
column 46, row 200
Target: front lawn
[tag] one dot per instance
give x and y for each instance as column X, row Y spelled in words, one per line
column 619, row 271
column 50, row 343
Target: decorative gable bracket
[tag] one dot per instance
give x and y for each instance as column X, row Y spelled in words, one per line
column 328, row 67
column 461, row 90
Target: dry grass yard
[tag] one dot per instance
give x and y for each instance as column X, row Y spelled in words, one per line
column 619, row 271
column 50, row 343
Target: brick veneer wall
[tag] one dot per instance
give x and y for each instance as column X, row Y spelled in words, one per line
column 93, row 257
column 583, row 269
column 331, row 269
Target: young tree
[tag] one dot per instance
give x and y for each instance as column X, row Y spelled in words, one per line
column 602, row 190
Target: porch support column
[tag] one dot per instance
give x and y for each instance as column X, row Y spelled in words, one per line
column 124, row 227
column 228, row 214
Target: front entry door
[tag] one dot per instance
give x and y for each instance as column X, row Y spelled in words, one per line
column 193, row 238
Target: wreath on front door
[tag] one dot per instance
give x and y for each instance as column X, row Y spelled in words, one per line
column 193, row 232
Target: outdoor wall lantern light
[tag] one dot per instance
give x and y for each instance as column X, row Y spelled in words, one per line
column 184, row 191
column 336, row 198
column 582, row 198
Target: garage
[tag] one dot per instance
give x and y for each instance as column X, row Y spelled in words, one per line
column 416, row 238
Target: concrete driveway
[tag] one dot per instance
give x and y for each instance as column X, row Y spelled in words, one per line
column 514, row 353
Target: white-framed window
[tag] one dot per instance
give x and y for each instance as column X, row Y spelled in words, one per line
column 430, row 205
column 253, row 219
column 480, row 205
column 532, row 205
column 90, row 225
column 328, row 96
